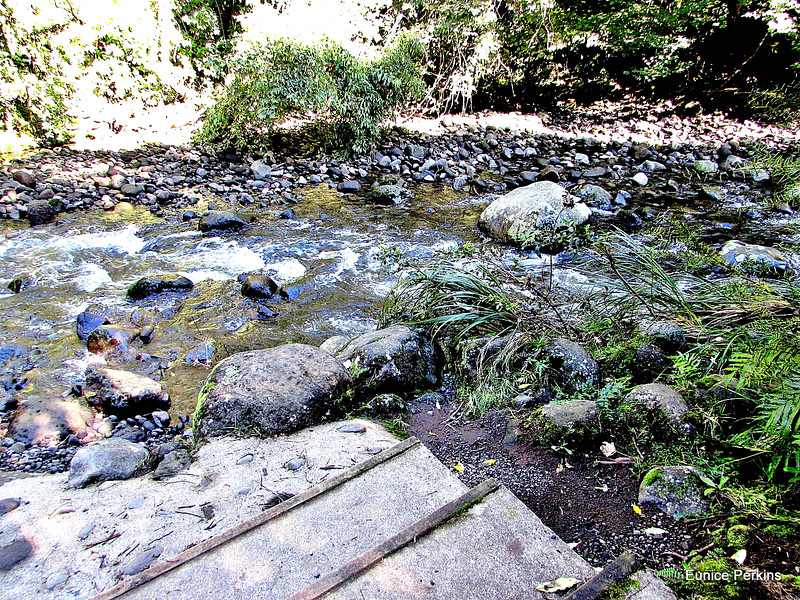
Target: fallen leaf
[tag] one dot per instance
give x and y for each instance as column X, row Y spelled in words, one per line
column 458, row 467
column 636, row 509
column 433, row 434
column 490, row 462
column 740, row 556
column 573, row 545
column 569, row 466
column 558, row 585
column 604, row 487
column 560, row 467
column 608, row 449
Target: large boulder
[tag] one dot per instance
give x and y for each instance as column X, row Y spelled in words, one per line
column 658, row 397
column 569, row 422
column 41, row 420
column 259, row 287
column 114, row 459
column 156, row 284
column 267, row 392
column 40, row 212
column 525, row 212
column 125, row 394
column 395, row 360
column 574, row 366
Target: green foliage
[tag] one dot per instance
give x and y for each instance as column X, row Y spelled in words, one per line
column 35, row 89
column 209, row 28
column 347, row 99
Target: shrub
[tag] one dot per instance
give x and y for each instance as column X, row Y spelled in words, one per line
column 321, row 85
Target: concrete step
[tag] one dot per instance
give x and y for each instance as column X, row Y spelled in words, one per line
column 496, row 549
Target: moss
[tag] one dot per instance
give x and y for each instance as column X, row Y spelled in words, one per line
column 738, row 536
column 651, row 477
column 621, row 589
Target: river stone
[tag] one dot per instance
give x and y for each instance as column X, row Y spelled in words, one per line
column 593, row 195
column 574, row 366
column 735, row 253
column 667, row 335
column 20, row 283
column 125, row 394
column 25, row 178
column 706, row 166
column 570, row 414
column 40, row 420
column 674, row 490
column 8, row 504
column 143, row 561
column 111, row 339
column 522, row 213
column 259, row 286
column 14, row 553
column 131, row 189
column 172, row 464
column 220, row 219
column 349, row 187
column 156, row 284
column 105, row 461
column 395, row 360
column 657, row 396
column 87, row 322
column 390, row 194
column 260, row 169
column 40, row 212
column 272, row 391
column 201, row 353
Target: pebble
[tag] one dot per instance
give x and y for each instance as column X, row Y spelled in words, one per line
column 14, row 553
column 352, row 428
column 143, row 561
column 86, row 531
column 9, row 504
column 136, row 503
column 245, row 460
column 295, row 464
column 640, row 179
column 56, row 579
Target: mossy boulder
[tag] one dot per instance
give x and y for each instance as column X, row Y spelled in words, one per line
column 396, row 360
column 567, row 422
column 658, row 397
column 574, row 367
column 674, row 490
column 157, row 284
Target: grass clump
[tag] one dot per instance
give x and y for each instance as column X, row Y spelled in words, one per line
column 324, row 87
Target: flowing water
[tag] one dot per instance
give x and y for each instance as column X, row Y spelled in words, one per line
column 330, row 255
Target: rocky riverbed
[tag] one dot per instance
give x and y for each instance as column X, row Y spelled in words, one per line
column 133, row 273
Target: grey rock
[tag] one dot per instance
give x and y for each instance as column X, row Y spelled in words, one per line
column 390, row 194
column 640, row 179
column 706, row 166
column 87, row 322
column 713, row 192
column 131, row 189
column 570, row 414
column 259, row 286
column 575, row 367
column 352, row 428
column 172, row 464
column 334, row 344
column 522, row 213
column 14, row 553
column 385, row 405
column 267, row 392
column 648, row 363
column 220, row 220
column 657, row 396
column 674, row 490
column 202, row 353
column 737, row 253
column 350, row 186
column 157, row 284
column 40, row 212
column 56, row 579
column 396, row 360
column 260, row 169
column 593, row 195
column 667, row 335
column 86, row 531
column 123, row 393
column 143, row 561
column 295, row 464
column 25, row 178
column 8, row 504
column 108, row 460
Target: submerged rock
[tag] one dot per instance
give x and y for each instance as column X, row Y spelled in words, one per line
column 525, row 212
column 113, row 459
column 395, row 360
column 156, row 284
column 111, row 339
column 259, row 286
column 125, row 394
column 390, row 194
column 87, row 322
column 267, row 392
